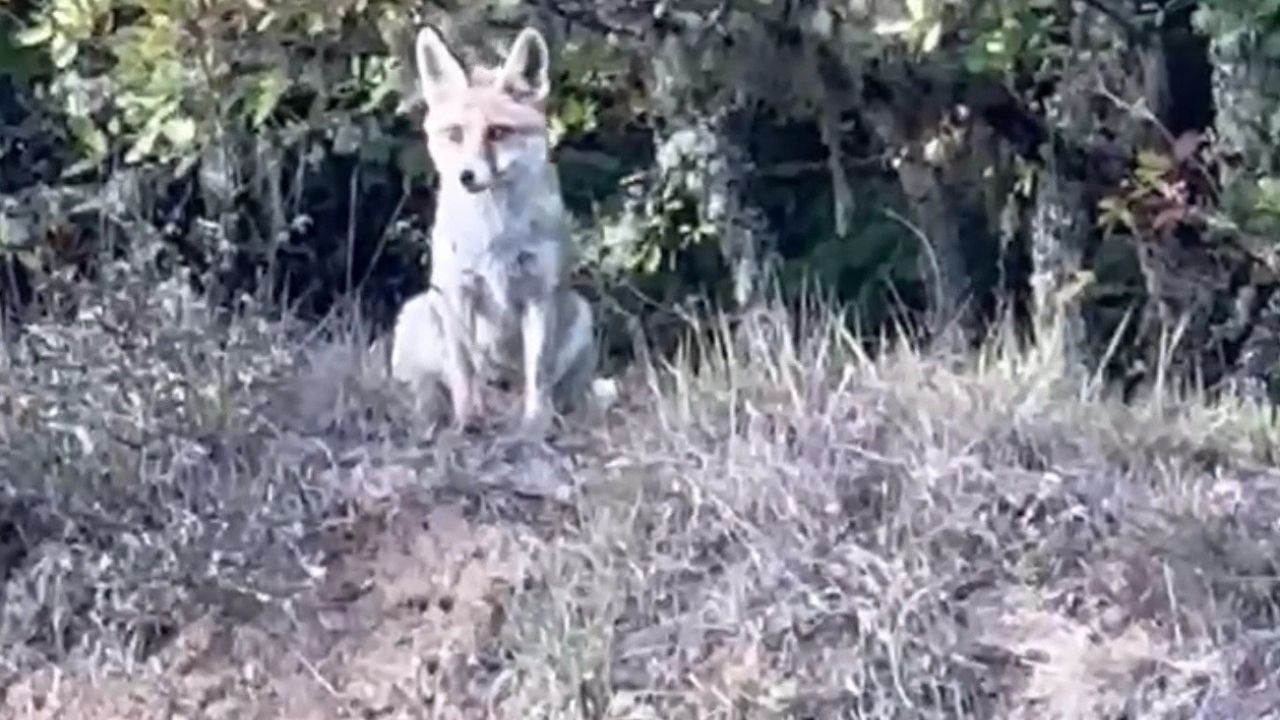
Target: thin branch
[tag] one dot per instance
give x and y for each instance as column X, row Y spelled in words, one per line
column 1126, row 22
column 590, row 20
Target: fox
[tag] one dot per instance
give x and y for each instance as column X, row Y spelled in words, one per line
column 498, row 304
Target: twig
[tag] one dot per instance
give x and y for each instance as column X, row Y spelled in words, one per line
column 928, row 246
column 1119, row 17
column 320, row 679
column 352, row 203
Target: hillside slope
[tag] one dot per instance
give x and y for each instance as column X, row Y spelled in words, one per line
column 202, row 518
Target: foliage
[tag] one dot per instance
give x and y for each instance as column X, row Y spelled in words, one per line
column 139, row 475
column 1227, row 19
column 1165, row 193
column 678, row 135
column 163, row 80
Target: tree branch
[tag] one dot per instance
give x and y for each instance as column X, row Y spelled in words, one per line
column 1126, row 21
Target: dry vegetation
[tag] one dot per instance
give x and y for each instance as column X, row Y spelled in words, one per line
column 233, row 518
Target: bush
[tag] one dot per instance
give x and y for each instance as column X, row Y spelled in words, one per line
column 148, row 467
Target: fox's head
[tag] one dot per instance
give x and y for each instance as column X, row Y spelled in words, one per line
column 489, row 126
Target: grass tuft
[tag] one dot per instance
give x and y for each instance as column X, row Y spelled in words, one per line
column 236, row 517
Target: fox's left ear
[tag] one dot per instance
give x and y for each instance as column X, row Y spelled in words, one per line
column 526, row 74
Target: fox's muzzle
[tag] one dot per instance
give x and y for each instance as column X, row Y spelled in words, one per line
column 478, row 179
column 468, row 180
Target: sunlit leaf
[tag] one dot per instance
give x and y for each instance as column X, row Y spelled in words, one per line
column 265, row 96
column 144, row 144
column 932, row 37
column 180, row 132
column 894, row 27
column 92, row 141
column 34, row 35
column 62, row 51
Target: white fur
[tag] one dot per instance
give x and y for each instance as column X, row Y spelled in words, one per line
column 498, row 304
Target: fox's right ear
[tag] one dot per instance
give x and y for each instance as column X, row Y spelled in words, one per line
column 439, row 70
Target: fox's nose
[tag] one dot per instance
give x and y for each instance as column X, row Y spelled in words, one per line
column 468, row 179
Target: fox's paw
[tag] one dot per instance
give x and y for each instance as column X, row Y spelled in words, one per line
column 535, row 426
column 467, row 419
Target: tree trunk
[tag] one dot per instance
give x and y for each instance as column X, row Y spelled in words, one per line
column 935, row 162
column 1061, row 224
column 699, row 147
column 1062, row 214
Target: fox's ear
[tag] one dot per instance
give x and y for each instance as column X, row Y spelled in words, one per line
column 438, row 68
column 526, row 74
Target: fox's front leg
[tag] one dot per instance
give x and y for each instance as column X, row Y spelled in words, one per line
column 459, row 368
column 461, row 390
column 536, row 324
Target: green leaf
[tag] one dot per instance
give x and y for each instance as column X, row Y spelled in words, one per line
column 78, row 167
column 89, row 136
column 652, row 258
column 894, row 27
column 180, row 132
column 34, row 35
column 388, row 83
column 185, row 165
column 144, row 144
column 62, row 51
column 266, row 21
column 17, row 60
column 932, row 37
column 265, row 96
column 975, row 63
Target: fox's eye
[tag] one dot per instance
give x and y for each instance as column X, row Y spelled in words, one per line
column 498, row 132
column 454, row 134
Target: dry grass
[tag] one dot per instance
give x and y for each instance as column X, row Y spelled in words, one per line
column 239, row 520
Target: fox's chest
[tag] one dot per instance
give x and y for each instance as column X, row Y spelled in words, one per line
column 499, row 294
column 503, row 282
column 496, row 257
column 502, row 270
column 478, row 244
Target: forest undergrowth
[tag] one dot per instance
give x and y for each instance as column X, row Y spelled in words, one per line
column 205, row 515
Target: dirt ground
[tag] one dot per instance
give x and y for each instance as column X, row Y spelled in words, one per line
column 401, row 628
column 905, row 539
